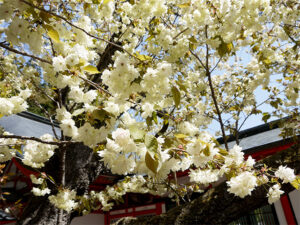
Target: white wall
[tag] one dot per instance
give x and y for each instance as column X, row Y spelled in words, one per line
column 295, row 201
column 280, row 213
column 90, row 219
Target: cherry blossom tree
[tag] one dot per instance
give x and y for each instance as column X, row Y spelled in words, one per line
column 134, row 85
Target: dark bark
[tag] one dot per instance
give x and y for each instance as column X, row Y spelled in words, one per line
column 106, row 57
column 82, row 168
column 217, row 205
column 40, row 211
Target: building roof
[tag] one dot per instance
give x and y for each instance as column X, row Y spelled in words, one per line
column 27, row 124
column 256, row 136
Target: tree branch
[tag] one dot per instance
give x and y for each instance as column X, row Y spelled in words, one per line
column 44, row 93
column 49, row 117
column 37, row 140
column 216, row 64
column 197, row 57
column 256, row 108
column 98, row 87
column 24, row 53
column 208, row 74
column 181, row 32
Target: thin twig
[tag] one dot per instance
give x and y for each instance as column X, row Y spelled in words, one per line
column 60, row 103
column 256, row 108
column 36, row 139
column 197, row 57
column 217, row 109
column 43, row 92
column 95, row 85
column 49, row 117
column 180, row 33
column 24, row 53
column 236, row 129
column 176, row 193
column 216, row 119
column 208, row 74
column 216, row 64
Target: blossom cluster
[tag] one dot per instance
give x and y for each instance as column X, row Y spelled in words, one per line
column 6, row 150
column 64, row 199
column 14, row 104
column 36, row 153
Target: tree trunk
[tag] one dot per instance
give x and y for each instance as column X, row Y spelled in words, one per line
column 40, row 211
column 82, row 167
column 217, row 205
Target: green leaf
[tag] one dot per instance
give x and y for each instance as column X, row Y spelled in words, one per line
column 234, row 108
column 152, row 157
column 193, row 40
column 154, row 116
column 51, row 178
column 255, row 48
column 142, row 57
column 176, row 96
column 274, row 104
column 267, row 61
column 45, row 16
column 52, row 33
column 149, row 121
column 296, row 183
column 106, row 1
column 18, row 149
column 168, row 142
column 151, row 163
column 99, row 114
column 184, row 5
column 265, row 117
column 81, row 63
column 91, row 69
column 180, row 135
column 192, row 46
column 290, row 71
column 181, row 86
column 155, row 21
column 151, row 143
column 224, row 48
column 230, row 174
column 206, row 151
column 150, row 37
column 274, row 180
column 223, row 152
